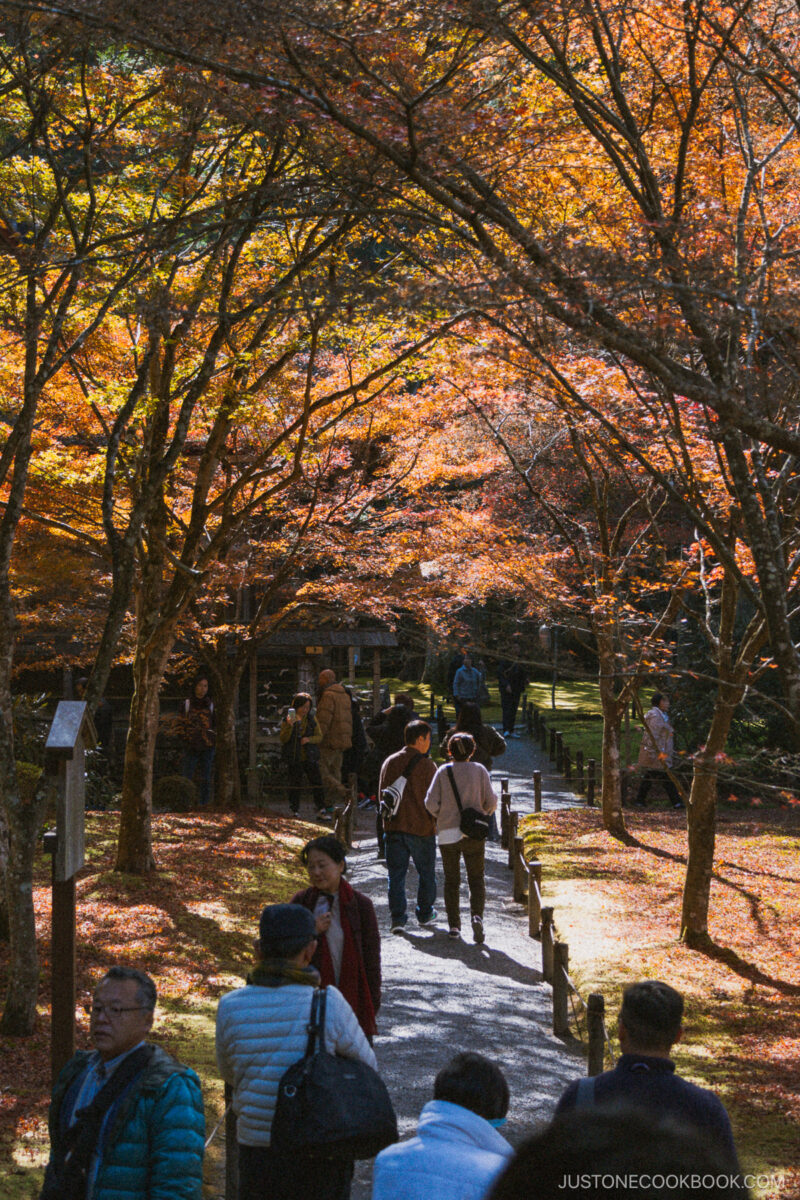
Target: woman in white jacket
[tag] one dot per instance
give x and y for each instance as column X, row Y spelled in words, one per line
column 475, row 791
column 261, row 1030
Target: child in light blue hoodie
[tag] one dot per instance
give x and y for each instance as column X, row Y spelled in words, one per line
column 457, row 1153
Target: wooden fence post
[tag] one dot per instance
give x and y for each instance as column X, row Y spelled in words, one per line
column 590, row 770
column 579, row 770
column 231, row 1148
column 595, row 1015
column 505, row 813
column 559, row 751
column 567, row 763
column 520, row 873
column 560, row 989
column 513, row 822
column 542, row 734
column 534, row 898
column 552, row 753
column 537, row 791
column 548, row 942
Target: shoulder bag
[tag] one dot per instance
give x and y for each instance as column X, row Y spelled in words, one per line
column 473, row 823
column 330, row 1107
column 392, row 794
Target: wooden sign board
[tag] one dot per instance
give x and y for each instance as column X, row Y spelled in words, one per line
column 313, row 650
column 70, row 732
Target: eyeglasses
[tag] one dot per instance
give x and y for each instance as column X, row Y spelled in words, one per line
column 112, row 1011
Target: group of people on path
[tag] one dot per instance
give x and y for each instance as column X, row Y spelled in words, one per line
column 126, row 1119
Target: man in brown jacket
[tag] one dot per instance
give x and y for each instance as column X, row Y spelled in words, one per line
column 411, row 834
column 335, row 718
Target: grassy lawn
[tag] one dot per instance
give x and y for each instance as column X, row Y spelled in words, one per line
column 618, row 909
column 191, row 926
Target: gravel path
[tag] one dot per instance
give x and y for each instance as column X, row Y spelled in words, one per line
column 443, row 995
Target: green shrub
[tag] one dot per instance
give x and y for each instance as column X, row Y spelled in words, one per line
column 174, row 793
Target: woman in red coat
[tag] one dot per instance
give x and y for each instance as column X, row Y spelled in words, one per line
column 348, row 953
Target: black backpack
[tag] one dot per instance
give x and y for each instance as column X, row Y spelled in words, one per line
column 331, row 1107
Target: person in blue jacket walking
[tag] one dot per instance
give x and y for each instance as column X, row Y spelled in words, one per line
column 126, row 1120
column 457, row 1153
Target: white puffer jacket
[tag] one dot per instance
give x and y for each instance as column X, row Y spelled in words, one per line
column 260, row 1032
column 456, row 1155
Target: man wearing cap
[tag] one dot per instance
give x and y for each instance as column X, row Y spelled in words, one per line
column 262, row 1030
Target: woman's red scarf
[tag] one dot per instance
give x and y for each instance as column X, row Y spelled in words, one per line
column 352, row 978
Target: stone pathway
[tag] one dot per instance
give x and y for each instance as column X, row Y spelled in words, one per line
column 442, row 995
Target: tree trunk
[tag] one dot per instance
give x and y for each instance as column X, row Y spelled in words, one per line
column 24, row 817
column 4, row 929
column 135, row 845
column 227, row 788
column 703, row 819
column 613, row 819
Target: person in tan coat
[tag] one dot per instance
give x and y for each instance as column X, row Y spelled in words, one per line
column 335, row 717
column 655, row 755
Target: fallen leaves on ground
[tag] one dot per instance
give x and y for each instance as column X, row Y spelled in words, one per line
column 190, row 925
column 618, row 908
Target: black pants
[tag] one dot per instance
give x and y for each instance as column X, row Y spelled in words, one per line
column 264, row 1175
column 296, row 784
column 656, row 776
column 509, row 702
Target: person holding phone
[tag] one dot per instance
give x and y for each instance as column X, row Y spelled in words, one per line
column 300, row 736
column 348, row 953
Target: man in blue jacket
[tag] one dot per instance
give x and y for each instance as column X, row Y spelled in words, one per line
column 649, row 1025
column 126, row 1120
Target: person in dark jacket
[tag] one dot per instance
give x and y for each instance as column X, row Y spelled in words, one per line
column 196, row 729
column 649, row 1025
column 615, row 1154
column 488, row 742
column 126, row 1121
column 300, row 736
column 348, row 953
column 387, row 731
column 512, row 679
column 411, row 833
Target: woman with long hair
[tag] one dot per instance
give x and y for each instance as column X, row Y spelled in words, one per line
column 196, row 730
column 348, row 953
column 467, row 782
column 488, row 742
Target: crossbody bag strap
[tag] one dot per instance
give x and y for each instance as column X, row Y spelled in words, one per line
column 81, row 1137
column 313, row 1026
column 323, row 1004
column 454, row 786
column 412, row 762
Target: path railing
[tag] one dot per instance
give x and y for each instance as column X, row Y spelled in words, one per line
column 582, row 775
column 526, row 885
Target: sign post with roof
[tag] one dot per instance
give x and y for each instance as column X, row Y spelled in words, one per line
column 71, row 732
